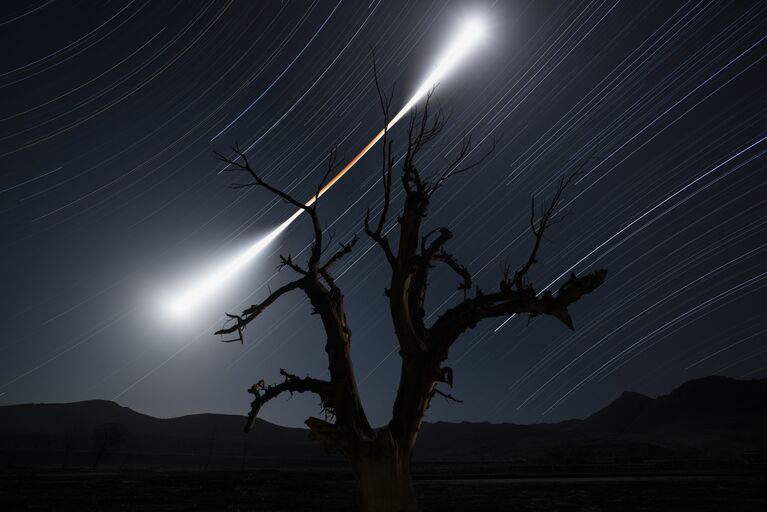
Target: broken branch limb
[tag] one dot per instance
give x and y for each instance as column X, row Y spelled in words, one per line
column 253, row 311
column 508, row 301
column 291, row 384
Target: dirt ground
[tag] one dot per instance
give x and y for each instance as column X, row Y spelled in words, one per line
column 329, row 489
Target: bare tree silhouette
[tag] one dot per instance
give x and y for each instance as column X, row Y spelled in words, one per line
column 70, row 438
column 381, row 456
column 106, row 437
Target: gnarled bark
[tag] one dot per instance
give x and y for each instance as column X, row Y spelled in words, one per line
column 382, row 470
column 381, row 457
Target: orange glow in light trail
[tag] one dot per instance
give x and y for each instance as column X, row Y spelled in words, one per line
column 468, row 37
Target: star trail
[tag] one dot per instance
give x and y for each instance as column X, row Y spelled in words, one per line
column 466, row 39
column 109, row 194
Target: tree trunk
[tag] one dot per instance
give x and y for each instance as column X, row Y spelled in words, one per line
column 384, row 484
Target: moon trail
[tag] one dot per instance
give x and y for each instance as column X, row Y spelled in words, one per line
column 470, row 34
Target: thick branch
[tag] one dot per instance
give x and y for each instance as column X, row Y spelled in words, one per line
column 408, row 282
column 291, row 384
column 253, row 311
column 429, row 251
column 508, row 301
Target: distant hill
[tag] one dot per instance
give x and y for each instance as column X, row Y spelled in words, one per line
column 57, row 432
column 617, row 417
column 708, row 417
column 716, row 415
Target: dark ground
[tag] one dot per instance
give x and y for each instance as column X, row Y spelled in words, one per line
column 332, row 489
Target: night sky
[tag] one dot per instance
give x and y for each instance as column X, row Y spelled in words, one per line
column 109, row 197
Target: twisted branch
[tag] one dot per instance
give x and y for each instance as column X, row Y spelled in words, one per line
column 253, row 311
column 291, row 384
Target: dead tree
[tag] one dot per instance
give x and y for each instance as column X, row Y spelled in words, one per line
column 106, row 437
column 381, row 456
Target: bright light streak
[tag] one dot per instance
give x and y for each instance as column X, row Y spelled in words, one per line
column 472, row 31
column 182, row 304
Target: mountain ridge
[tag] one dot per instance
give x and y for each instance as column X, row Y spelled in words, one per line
column 710, row 416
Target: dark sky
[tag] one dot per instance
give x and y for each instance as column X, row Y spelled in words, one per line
column 110, row 200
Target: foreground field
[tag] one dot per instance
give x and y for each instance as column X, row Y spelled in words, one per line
column 330, row 489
